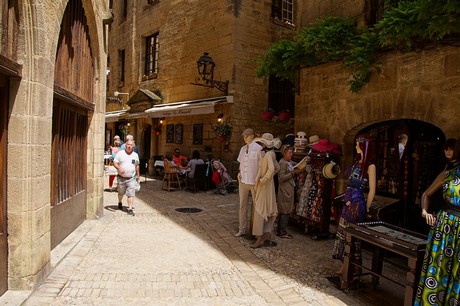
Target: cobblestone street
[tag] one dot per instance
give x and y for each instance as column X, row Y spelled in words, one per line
column 165, row 257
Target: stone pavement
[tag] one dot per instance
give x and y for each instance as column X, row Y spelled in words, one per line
column 165, row 257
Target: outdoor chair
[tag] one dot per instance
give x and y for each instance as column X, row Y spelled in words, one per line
column 171, row 179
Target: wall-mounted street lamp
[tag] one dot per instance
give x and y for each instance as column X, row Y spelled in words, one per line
column 116, row 94
column 219, row 118
column 206, row 74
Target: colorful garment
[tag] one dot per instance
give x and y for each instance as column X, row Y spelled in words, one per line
column 440, row 279
column 353, row 213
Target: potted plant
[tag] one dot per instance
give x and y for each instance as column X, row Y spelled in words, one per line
column 223, row 131
column 284, row 115
column 267, row 115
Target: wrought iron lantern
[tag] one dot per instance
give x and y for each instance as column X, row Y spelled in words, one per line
column 206, row 66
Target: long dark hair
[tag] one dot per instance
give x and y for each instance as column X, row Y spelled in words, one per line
column 367, row 145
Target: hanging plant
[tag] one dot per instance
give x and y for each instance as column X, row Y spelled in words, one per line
column 223, row 130
column 123, row 128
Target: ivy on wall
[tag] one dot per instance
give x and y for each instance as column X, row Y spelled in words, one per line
column 406, row 25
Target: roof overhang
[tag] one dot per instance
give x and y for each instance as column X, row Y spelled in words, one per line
column 114, row 116
column 187, row 108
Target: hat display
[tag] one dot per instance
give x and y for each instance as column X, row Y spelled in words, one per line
column 248, row 132
column 300, row 142
column 266, row 139
column 331, row 170
column 312, row 140
column 323, row 145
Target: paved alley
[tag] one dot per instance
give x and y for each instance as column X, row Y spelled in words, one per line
column 165, row 257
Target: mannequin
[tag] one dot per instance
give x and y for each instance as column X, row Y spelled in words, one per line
column 249, row 157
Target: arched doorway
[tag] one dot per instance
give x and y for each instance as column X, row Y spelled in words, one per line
column 72, row 100
column 408, row 176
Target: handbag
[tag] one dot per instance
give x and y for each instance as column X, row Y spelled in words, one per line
column 216, row 178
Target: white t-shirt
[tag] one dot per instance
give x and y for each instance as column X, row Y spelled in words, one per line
column 249, row 158
column 127, row 162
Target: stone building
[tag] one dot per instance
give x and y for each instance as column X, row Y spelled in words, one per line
column 415, row 93
column 153, row 51
column 52, row 100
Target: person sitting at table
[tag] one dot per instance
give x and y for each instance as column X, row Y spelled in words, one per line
column 191, row 165
column 178, row 159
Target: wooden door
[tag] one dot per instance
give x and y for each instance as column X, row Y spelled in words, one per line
column 3, row 155
column 68, row 169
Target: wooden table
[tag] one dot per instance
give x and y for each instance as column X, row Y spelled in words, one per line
column 383, row 236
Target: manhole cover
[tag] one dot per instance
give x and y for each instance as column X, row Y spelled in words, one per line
column 189, row 210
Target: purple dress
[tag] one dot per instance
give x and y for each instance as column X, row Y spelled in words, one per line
column 353, row 213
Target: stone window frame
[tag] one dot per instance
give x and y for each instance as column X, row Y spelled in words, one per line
column 283, row 13
column 151, row 56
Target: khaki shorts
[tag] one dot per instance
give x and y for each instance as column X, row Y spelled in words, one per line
column 126, row 186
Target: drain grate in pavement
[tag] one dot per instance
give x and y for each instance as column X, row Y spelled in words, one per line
column 189, row 210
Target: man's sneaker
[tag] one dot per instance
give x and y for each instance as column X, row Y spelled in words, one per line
column 120, row 206
column 131, row 212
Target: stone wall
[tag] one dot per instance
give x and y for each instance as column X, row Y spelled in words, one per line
column 422, row 85
column 186, row 30
column 29, row 138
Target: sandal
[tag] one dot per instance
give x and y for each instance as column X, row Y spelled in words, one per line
column 286, row 236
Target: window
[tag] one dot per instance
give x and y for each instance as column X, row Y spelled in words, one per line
column 151, row 56
column 281, row 95
column 283, row 10
column 124, row 9
column 121, row 66
column 153, row 2
column 376, row 8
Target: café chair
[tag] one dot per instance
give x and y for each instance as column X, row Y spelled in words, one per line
column 198, row 182
column 171, row 179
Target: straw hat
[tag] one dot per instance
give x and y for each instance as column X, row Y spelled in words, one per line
column 266, row 139
column 331, row 170
column 312, row 140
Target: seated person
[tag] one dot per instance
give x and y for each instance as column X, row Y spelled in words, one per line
column 178, row 159
column 191, row 165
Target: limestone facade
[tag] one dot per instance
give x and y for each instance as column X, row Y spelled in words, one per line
column 233, row 32
column 29, row 133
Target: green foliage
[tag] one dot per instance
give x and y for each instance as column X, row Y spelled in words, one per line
column 413, row 23
column 406, row 25
column 223, row 129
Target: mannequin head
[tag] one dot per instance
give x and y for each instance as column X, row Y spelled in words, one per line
column 449, row 149
column 248, row 136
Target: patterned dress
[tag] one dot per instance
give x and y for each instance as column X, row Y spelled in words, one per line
column 440, row 278
column 353, row 213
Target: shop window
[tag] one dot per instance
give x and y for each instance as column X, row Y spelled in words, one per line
column 283, row 11
column 121, row 67
column 151, row 57
column 281, row 95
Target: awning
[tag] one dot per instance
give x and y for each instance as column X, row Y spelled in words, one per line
column 187, row 108
column 114, row 116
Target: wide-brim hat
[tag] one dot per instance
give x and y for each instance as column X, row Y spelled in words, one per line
column 266, row 139
column 303, row 163
column 331, row 170
column 323, row 145
column 312, row 140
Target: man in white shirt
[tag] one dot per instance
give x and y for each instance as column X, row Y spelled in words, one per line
column 403, row 138
column 249, row 157
column 127, row 163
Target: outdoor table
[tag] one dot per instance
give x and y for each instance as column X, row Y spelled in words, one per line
column 383, row 236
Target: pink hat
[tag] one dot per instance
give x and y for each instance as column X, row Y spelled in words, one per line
column 323, row 145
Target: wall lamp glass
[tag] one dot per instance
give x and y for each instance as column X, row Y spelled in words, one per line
column 220, row 118
column 162, row 119
column 206, row 66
